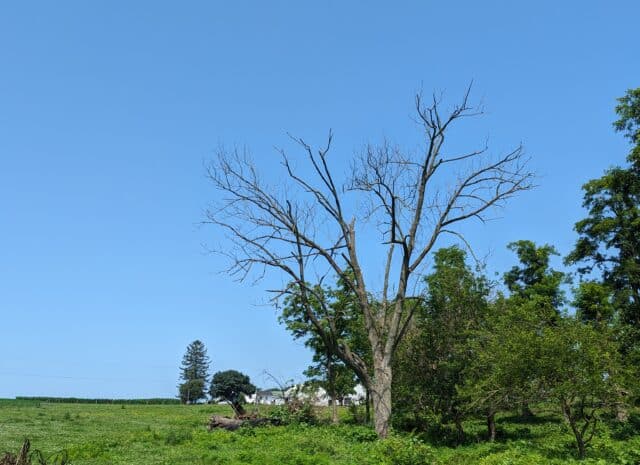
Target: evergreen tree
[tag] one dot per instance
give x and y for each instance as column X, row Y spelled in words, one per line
column 194, row 371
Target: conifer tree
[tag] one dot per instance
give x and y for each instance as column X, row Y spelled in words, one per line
column 194, row 372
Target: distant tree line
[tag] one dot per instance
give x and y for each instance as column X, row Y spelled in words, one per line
column 77, row 400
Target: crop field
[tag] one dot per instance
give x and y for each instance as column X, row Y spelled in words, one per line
column 176, row 434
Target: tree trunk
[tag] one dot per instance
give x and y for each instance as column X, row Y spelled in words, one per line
column 491, row 426
column 459, row 430
column 381, row 395
column 331, row 378
column 566, row 410
column 581, row 448
column 334, row 410
column 526, row 411
column 230, row 424
column 620, row 409
column 367, row 407
column 622, row 414
column 238, row 409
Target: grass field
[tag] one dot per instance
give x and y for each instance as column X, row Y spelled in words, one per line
column 176, row 434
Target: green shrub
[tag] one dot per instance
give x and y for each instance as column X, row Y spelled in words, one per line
column 396, row 450
column 627, row 429
column 359, row 434
column 175, row 438
column 293, row 413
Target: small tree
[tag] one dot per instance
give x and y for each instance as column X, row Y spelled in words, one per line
column 232, row 386
column 194, row 372
column 191, row 391
column 533, row 280
column 520, row 356
column 500, row 373
column 431, row 361
column 579, row 369
column 328, row 370
column 332, row 375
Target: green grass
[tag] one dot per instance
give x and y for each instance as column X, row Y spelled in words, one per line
column 176, row 434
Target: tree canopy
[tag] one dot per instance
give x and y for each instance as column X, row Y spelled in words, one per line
column 533, row 277
column 232, row 386
column 608, row 240
column 434, row 355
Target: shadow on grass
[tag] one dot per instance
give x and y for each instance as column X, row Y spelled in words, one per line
column 509, row 428
column 539, row 419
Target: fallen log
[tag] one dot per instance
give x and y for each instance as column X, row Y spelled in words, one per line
column 232, row 424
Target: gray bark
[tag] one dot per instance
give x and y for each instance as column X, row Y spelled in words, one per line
column 381, row 396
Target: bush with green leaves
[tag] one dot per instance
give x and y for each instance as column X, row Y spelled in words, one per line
column 294, row 412
column 396, row 450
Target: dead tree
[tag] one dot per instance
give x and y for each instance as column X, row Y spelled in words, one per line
column 306, row 227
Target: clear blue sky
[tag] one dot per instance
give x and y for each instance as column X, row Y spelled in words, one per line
column 109, row 108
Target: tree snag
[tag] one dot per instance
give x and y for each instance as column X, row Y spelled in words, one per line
column 306, row 228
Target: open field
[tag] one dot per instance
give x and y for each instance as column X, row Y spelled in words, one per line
column 175, row 434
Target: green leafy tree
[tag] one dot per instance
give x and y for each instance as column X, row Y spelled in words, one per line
column 192, row 391
column 534, row 282
column 628, row 110
column 608, row 239
column 499, row 375
column 328, row 370
column 431, row 362
column 334, row 377
column 232, row 386
column 519, row 357
column 579, row 369
column 533, row 278
column 194, row 372
column 593, row 303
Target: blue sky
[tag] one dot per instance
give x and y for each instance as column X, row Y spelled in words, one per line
column 108, row 110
